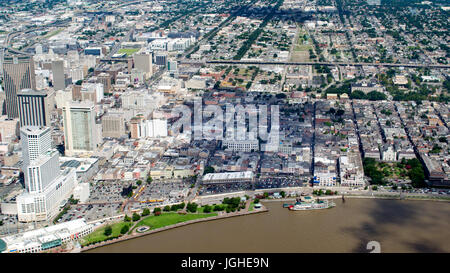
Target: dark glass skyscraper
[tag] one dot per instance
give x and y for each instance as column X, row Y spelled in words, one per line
column 18, row 73
column 33, row 108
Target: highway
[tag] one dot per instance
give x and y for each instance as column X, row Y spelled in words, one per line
column 249, row 62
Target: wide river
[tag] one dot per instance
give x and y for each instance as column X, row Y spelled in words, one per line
column 398, row 225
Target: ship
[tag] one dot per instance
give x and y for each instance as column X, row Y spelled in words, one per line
column 307, row 203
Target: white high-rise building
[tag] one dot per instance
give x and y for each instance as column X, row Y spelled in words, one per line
column 46, row 187
column 157, row 128
column 35, row 141
column 42, row 171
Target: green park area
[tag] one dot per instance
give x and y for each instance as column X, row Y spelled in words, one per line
column 382, row 172
column 171, row 218
column 106, row 233
column 303, row 47
column 161, row 217
column 128, row 51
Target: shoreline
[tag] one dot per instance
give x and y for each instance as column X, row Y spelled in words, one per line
column 151, row 231
column 229, row 215
column 417, row 198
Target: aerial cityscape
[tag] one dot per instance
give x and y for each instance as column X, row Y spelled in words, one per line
column 125, row 125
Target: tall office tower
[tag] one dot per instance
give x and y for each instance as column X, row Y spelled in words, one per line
column 105, row 79
column 42, row 171
column 81, row 133
column 59, row 79
column 35, row 141
column 33, row 108
column 161, row 59
column 18, row 74
column 113, row 124
column 46, row 186
column 143, row 62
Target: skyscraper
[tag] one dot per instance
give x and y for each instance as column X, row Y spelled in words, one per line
column 35, row 141
column 42, row 171
column 33, row 108
column 18, row 73
column 59, row 80
column 143, row 62
column 105, row 79
column 81, row 133
column 46, row 186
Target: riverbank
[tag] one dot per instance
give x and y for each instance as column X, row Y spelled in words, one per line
column 398, row 225
column 135, row 234
column 389, row 197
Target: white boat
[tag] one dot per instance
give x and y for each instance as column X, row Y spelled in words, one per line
column 322, row 204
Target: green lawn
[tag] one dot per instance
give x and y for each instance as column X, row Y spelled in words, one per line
column 252, row 205
column 168, row 218
column 99, row 234
column 128, row 51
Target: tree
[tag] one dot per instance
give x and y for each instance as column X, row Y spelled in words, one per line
column 283, row 194
column 358, row 95
column 126, row 218
column 135, row 217
column 149, row 179
column 155, row 210
column 207, row 209
column 139, row 182
column 374, row 188
column 208, row 169
column 91, row 70
column 417, row 177
column 79, row 82
column 167, row 208
column 124, row 229
column 108, row 231
column 146, row 212
column 192, row 207
column 256, row 201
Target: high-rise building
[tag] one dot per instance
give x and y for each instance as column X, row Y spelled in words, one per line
column 161, row 59
column 144, row 62
column 105, row 79
column 81, row 133
column 157, row 128
column 35, row 141
column 18, row 74
column 46, row 186
column 59, row 79
column 42, row 171
column 113, row 124
column 33, row 108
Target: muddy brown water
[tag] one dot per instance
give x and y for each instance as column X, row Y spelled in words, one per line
column 398, row 225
